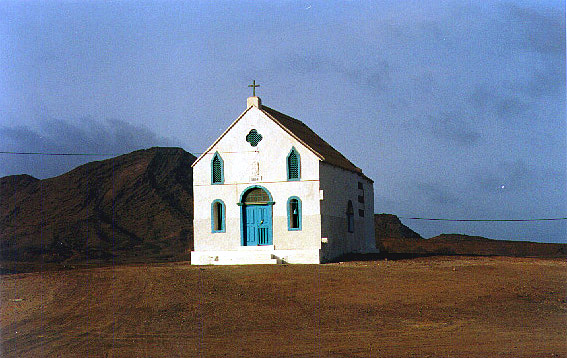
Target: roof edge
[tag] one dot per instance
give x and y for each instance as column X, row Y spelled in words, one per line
column 293, row 135
column 359, row 173
column 354, row 169
column 220, row 137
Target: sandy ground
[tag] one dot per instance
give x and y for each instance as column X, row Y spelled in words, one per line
column 426, row 307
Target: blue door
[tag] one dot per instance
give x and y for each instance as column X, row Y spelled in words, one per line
column 257, row 225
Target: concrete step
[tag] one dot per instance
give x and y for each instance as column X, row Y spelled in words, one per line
column 256, row 248
column 248, row 261
column 262, row 257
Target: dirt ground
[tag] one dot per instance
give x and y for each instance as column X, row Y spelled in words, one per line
column 424, row 307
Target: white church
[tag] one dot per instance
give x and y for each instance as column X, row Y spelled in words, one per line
column 269, row 190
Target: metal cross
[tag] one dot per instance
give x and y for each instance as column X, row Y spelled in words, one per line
column 254, row 85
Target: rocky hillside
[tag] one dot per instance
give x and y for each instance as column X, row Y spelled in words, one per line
column 458, row 244
column 390, row 226
column 135, row 205
column 393, row 237
column 139, row 207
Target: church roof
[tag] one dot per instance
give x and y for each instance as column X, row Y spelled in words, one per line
column 306, row 135
column 301, row 132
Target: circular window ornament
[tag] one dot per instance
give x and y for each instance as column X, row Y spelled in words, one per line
column 253, row 137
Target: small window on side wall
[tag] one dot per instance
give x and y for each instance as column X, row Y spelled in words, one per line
column 294, row 213
column 217, row 216
column 360, row 193
column 293, row 165
column 217, row 170
column 350, row 217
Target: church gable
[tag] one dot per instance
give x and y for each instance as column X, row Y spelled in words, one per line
column 256, row 148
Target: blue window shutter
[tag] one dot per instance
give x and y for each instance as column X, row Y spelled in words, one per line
column 293, row 165
column 217, row 170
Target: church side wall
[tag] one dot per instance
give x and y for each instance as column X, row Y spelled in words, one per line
column 339, row 186
column 264, row 165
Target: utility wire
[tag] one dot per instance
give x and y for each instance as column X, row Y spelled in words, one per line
column 401, row 217
column 59, row 154
column 96, row 154
column 489, row 220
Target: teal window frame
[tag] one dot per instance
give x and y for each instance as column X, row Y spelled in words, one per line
column 289, row 213
column 287, row 164
column 217, row 156
column 253, row 137
column 350, row 217
column 221, row 218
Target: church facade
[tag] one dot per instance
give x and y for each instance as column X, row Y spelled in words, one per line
column 270, row 190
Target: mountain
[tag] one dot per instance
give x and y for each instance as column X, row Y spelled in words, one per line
column 459, row 244
column 390, row 226
column 137, row 205
column 393, row 237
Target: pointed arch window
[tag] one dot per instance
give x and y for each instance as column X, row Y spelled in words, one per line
column 293, row 165
column 217, row 169
column 350, row 217
column 294, row 214
column 217, row 216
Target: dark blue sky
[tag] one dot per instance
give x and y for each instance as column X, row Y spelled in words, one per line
column 455, row 109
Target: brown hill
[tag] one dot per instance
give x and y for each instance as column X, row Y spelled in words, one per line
column 389, row 226
column 135, row 205
column 459, row 244
column 393, row 237
column 139, row 206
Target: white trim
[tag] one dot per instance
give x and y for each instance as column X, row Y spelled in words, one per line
column 221, row 136
column 268, row 116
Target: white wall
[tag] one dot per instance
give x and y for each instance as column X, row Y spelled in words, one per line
column 339, row 186
column 239, row 157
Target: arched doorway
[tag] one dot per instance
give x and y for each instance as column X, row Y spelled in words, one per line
column 256, row 216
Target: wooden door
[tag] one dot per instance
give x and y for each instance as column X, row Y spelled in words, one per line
column 257, row 225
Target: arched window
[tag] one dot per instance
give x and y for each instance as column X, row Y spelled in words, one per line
column 293, row 165
column 217, row 216
column 256, row 196
column 217, row 170
column 350, row 217
column 294, row 213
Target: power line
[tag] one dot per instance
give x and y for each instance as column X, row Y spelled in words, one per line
column 408, row 218
column 98, row 154
column 488, row 220
column 474, row 220
column 58, row 154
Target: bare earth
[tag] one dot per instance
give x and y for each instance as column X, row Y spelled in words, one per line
column 427, row 307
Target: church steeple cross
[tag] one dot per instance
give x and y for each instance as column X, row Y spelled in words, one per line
column 254, row 85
